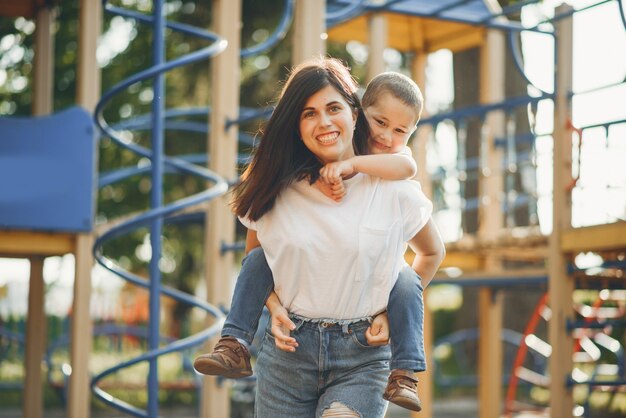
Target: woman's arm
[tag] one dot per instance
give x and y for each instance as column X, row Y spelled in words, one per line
column 429, row 251
column 251, row 241
column 281, row 324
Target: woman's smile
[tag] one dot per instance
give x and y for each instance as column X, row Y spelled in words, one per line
column 328, row 138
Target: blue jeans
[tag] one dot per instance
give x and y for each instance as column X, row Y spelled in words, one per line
column 332, row 363
column 406, row 306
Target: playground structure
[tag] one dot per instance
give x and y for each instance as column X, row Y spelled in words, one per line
column 483, row 257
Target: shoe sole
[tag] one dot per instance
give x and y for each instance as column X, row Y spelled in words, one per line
column 404, row 403
column 212, row 368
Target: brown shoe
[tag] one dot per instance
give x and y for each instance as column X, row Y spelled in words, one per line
column 229, row 358
column 402, row 390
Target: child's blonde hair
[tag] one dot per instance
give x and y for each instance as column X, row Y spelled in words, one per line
column 399, row 86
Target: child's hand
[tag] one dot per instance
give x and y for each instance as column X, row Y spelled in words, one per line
column 335, row 191
column 281, row 326
column 377, row 333
column 334, row 172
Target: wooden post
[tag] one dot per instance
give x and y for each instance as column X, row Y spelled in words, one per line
column 88, row 73
column 36, row 331
column 87, row 95
column 42, row 104
column 418, row 147
column 560, row 285
column 377, row 43
column 220, row 225
column 490, row 355
column 43, row 90
column 82, row 330
column 309, row 26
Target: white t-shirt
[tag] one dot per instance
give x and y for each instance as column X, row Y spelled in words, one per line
column 339, row 260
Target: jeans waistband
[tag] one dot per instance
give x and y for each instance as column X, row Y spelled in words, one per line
column 327, row 324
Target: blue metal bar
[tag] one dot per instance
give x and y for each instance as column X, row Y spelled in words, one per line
column 493, row 281
column 575, row 324
column 510, row 9
column 569, row 13
column 276, row 36
column 517, row 59
column 617, row 382
column 179, row 27
column 449, row 6
column 604, row 87
column 482, row 110
column 157, row 122
column 156, row 200
column 345, row 13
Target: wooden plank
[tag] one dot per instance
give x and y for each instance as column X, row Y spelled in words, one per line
column 27, row 243
column 43, row 86
column 220, row 225
column 426, row 386
column 413, row 34
column 463, row 261
column 419, row 144
column 377, row 38
column 489, row 353
column 309, row 37
column 491, row 222
column 594, row 238
column 88, row 72
column 560, row 285
column 35, row 341
column 82, row 330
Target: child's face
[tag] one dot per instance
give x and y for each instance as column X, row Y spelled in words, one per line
column 392, row 122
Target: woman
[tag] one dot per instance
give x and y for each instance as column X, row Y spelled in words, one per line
column 334, row 263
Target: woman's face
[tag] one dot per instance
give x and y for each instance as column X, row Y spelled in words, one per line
column 327, row 125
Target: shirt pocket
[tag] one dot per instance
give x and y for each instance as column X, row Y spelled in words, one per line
column 374, row 258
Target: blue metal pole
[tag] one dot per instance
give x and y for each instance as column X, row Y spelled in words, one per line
column 156, row 200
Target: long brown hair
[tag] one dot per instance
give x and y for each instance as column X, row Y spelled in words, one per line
column 281, row 157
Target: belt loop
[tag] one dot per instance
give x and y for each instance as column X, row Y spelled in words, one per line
column 345, row 328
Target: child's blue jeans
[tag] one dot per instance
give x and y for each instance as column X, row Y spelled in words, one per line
column 405, row 310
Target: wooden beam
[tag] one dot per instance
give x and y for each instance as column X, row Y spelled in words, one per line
column 413, row 34
column 491, row 221
column 87, row 95
column 309, row 38
column 490, row 353
column 88, row 71
column 426, row 386
column 27, row 243
column 561, row 285
column 35, row 341
column 594, row 238
column 222, row 146
column 43, row 85
column 464, row 261
column 377, row 39
column 82, row 330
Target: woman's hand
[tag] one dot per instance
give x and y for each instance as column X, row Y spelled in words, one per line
column 281, row 326
column 377, row 333
column 335, row 191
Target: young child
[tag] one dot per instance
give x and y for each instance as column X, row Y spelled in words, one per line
column 392, row 104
